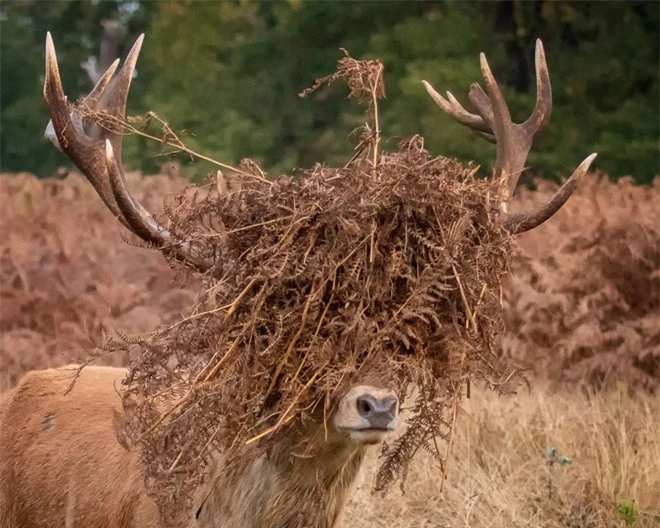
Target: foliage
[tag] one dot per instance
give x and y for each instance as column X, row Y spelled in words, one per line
column 228, row 73
column 583, row 301
column 61, row 285
column 627, row 511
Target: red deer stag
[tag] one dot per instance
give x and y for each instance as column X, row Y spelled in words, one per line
column 60, row 461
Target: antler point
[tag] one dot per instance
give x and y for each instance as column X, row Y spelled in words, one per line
column 589, row 159
column 50, row 50
column 109, row 153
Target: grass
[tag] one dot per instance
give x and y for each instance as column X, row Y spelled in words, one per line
column 505, row 468
column 542, row 459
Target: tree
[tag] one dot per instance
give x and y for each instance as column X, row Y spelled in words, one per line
column 226, row 76
column 235, row 88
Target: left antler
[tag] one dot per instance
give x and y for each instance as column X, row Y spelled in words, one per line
column 492, row 121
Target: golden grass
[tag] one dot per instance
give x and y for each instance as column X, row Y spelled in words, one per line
column 499, row 473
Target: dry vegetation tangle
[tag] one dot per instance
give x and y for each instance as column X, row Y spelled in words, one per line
column 340, row 277
column 581, row 304
column 582, row 301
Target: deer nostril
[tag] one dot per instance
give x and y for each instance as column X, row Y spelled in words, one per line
column 393, row 409
column 391, row 403
column 364, row 406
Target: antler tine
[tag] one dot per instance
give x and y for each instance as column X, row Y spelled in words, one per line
column 91, row 100
column 98, row 91
column 512, row 146
column 142, row 223
column 481, row 102
column 69, row 136
column 98, row 156
column 115, row 103
column 455, row 110
column 543, row 108
column 519, row 223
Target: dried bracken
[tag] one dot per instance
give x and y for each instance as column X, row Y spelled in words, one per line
column 586, row 307
column 322, row 281
column 61, row 285
column 364, row 79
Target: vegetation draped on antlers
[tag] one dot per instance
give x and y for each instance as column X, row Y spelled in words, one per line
column 388, row 268
column 96, row 151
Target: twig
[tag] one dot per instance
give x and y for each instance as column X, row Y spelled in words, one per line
column 465, row 302
column 451, row 437
column 102, row 118
column 374, row 102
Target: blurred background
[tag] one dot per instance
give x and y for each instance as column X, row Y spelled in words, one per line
column 226, row 75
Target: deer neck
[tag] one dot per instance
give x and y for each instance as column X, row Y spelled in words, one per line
column 322, row 483
column 285, row 488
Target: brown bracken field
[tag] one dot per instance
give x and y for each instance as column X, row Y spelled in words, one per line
column 582, row 306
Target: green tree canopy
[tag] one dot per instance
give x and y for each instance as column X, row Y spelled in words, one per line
column 227, row 75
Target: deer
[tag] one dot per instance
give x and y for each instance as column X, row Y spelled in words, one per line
column 61, row 462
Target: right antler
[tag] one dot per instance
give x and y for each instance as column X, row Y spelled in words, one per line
column 96, row 150
column 492, row 121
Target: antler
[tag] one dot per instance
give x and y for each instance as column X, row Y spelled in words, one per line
column 492, row 121
column 96, row 150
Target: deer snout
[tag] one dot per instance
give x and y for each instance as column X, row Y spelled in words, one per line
column 367, row 414
column 380, row 413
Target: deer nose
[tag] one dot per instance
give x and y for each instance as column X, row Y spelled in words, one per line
column 380, row 413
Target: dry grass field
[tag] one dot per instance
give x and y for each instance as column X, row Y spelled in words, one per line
column 582, row 306
column 501, row 475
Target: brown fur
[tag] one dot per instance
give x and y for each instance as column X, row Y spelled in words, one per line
column 61, row 464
